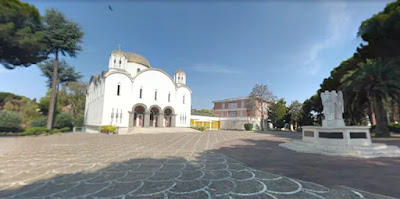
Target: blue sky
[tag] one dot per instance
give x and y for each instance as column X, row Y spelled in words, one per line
column 225, row 48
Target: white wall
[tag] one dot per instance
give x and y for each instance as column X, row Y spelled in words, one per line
column 149, row 80
column 131, row 68
column 114, row 103
column 94, row 103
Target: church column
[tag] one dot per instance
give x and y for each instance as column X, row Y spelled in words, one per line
column 160, row 122
column 146, row 119
column 173, row 120
column 130, row 118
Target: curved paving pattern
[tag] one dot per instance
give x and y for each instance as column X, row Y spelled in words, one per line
column 179, row 165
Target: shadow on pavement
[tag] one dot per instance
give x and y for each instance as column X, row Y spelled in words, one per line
column 378, row 175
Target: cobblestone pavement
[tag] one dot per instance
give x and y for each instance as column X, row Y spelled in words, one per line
column 173, row 165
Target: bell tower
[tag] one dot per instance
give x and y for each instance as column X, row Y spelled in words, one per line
column 180, row 77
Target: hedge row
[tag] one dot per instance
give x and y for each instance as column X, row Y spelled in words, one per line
column 199, row 128
column 42, row 130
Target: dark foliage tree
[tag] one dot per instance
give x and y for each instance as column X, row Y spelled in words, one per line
column 21, row 36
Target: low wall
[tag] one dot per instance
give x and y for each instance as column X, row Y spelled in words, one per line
column 92, row 129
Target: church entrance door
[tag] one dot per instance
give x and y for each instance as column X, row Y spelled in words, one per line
column 139, row 120
column 154, row 111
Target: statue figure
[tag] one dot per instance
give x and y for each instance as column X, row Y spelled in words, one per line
column 332, row 108
column 339, row 106
column 328, row 103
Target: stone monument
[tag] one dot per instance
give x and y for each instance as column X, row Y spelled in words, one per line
column 335, row 138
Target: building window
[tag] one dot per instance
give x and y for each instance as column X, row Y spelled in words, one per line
column 140, row 93
column 223, row 105
column 183, row 99
column 138, row 70
column 232, row 105
column 242, row 103
column 242, row 113
column 118, row 89
column 169, row 97
column 155, row 95
column 232, row 113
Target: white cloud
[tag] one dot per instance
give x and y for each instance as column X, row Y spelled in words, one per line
column 213, row 68
column 338, row 24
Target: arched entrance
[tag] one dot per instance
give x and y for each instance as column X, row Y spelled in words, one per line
column 138, row 115
column 154, row 116
column 168, row 117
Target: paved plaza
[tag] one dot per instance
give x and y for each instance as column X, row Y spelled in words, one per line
column 170, row 165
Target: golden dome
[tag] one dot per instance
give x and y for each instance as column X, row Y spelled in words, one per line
column 133, row 57
column 179, row 71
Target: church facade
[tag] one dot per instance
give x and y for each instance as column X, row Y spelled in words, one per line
column 132, row 94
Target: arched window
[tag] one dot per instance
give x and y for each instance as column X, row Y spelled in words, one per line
column 155, row 95
column 118, row 89
column 140, row 92
column 169, row 97
column 138, row 70
column 183, row 99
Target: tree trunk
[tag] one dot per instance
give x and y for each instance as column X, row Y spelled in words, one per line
column 371, row 112
column 262, row 116
column 381, row 129
column 394, row 111
column 50, row 116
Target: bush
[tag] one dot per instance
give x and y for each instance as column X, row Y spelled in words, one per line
column 55, row 131
column 199, row 128
column 10, row 121
column 248, row 126
column 108, row 129
column 65, row 129
column 39, row 122
column 36, row 131
column 64, row 120
column 395, row 128
column 79, row 121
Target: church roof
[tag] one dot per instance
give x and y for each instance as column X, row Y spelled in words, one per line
column 133, row 57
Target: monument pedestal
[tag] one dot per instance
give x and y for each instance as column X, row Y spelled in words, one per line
column 348, row 141
column 339, row 136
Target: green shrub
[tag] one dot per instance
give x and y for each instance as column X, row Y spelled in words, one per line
column 10, row 121
column 65, row 129
column 199, row 128
column 79, row 120
column 55, row 131
column 395, row 128
column 36, row 131
column 248, row 126
column 39, row 122
column 64, row 120
column 22, row 134
column 108, row 129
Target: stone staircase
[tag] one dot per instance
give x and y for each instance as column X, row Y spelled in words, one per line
column 155, row 130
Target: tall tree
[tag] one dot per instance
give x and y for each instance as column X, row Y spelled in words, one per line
column 258, row 99
column 61, row 36
column 379, row 79
column 74, row 94
column 295, row 112
column 21, row 36
column 277, row 112
column 65, row 72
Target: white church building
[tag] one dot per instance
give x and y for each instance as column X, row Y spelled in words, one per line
column 132, row 94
